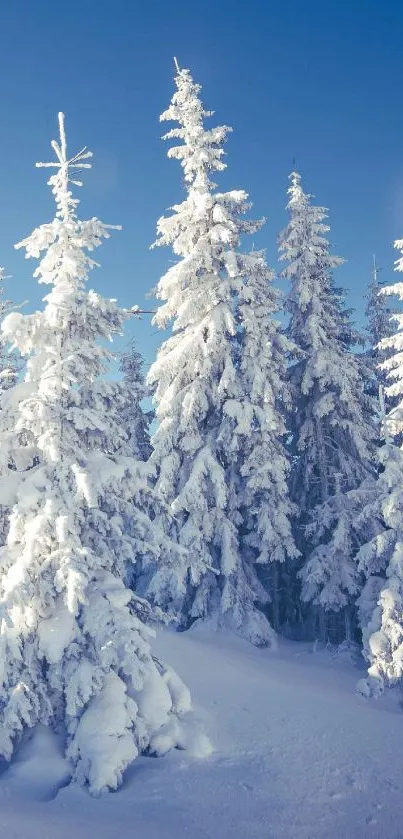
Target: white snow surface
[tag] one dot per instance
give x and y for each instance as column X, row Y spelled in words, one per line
column 296, row 754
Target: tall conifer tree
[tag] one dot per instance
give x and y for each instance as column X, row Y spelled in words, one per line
column 75, row 652
column 218, row 384
column 379, row 326
column 332, row 430
column 381, row 557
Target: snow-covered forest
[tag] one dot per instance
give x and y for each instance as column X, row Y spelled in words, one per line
column 248, row 484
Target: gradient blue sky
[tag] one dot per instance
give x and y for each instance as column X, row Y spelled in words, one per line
column 316, row 81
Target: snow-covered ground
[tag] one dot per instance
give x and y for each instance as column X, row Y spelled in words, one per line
column 297, row 755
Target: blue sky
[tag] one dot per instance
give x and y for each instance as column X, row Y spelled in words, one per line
column 318, row 82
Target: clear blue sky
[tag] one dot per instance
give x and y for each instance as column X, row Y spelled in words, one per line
column 315, row 81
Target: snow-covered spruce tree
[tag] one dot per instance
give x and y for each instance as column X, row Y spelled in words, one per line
column 266, row 510
column 381, row 558
column 10, row 368
column 380, row 325
column 332, row 429
column 146, row 516
column 75, row 653
column 218, row 446
column 134, row 418
column 9, row 364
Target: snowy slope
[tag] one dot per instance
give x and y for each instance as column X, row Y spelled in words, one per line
column 297, row 754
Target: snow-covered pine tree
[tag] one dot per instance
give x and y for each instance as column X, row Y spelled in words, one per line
column 266, row 510
column 146, row 514
column 9, row 365
column 379, row 326
column 134, row 418
column 10, row 368
column 381, row 558
column 332, row 431
column 75, row 652
column 217, row 448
